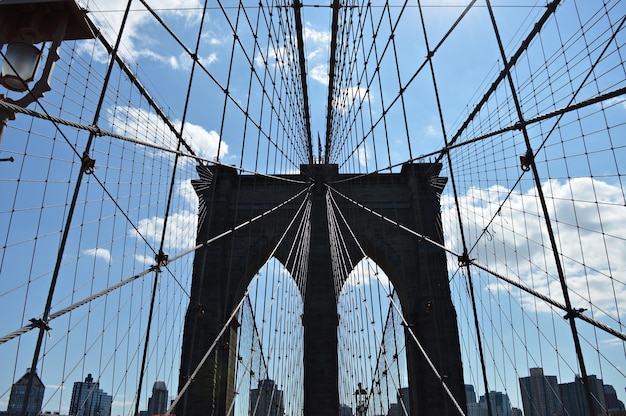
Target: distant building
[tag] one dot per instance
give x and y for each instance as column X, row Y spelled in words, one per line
column 470, row 393
column 516, row 412
column 157, row 403
column 500, row 403
column 540, row 394
column 345, row 410
column 612, row 402
column 267, row 400
column 477, row 409
column 89, row 400
column 18, row 391
column 403, row 401
column 575, row 398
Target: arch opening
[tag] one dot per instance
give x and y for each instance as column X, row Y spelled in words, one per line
column 371, row 344
column 269, row 350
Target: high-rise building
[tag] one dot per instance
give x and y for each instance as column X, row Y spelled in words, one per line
column 89, row 400
column 345, row 410
column 540, row 394
column 500, row 403
column 575, row 398
column 267, row 400
column 612, row 402
column 394, row 410
column 516, row 412
column 18, row 391
column 403, row 401
column 470, row 393
column 157, row 403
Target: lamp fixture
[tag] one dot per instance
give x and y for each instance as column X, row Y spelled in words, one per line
column 24, row 24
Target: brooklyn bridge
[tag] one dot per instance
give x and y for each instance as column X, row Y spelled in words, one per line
column 312, row 207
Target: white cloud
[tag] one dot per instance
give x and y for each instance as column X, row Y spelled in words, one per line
column 363, row 154
column 587, row 217
column 205, row 143
column 180, row 235
column 317, row 43
column 148, row 127
column 315, row 36
column 616, row 101
column 145, row 260
column 320, row 73
column 431, row 131
column 108, row 15
column 277, row 56
column 100, row 253
column 185, row 190
column 209, row 59
column 351, row 97
column 213, row 39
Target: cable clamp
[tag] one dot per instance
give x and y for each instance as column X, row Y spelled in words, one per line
column 464, row 260
column 97, row 131
column 161, row 259
column 526, row 160
column 574, row 313
column 88, row 164
column 40, row 323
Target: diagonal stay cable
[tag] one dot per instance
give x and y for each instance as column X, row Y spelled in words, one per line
column 410, row 80
column 512, row 127
column 204, row 68
column 37, row 323
column 297, row 5
column 331, row 80
column 99, row 132
column 333, row 222
column 406, row 325
column 473, row 262
column 191, row 378
column 509, row 64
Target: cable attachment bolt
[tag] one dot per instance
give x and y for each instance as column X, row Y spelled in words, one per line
column 199, row 309
column 526, row 160
column 88, row 164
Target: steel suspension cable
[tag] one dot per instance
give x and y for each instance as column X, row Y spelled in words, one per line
column 473, row 262
column 232, row 316
column 345, row 267
column 571, row 315
column 409, row 329
column 465, row 254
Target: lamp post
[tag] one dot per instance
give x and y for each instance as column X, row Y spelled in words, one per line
column 24, row 24
column 361, row 400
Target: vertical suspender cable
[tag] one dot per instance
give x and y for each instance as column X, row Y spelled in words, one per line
column 458, row 213
column 571, row 314
column 43, row 326
column 161, row 257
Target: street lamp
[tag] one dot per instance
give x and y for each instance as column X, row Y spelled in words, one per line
column 361, row 400
column 24, row 24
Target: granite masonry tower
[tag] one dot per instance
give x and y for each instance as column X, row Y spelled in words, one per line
column 417, row 269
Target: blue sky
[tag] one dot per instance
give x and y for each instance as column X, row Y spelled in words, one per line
column 581, row 163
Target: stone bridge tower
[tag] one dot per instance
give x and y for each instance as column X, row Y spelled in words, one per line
column 417, row 269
